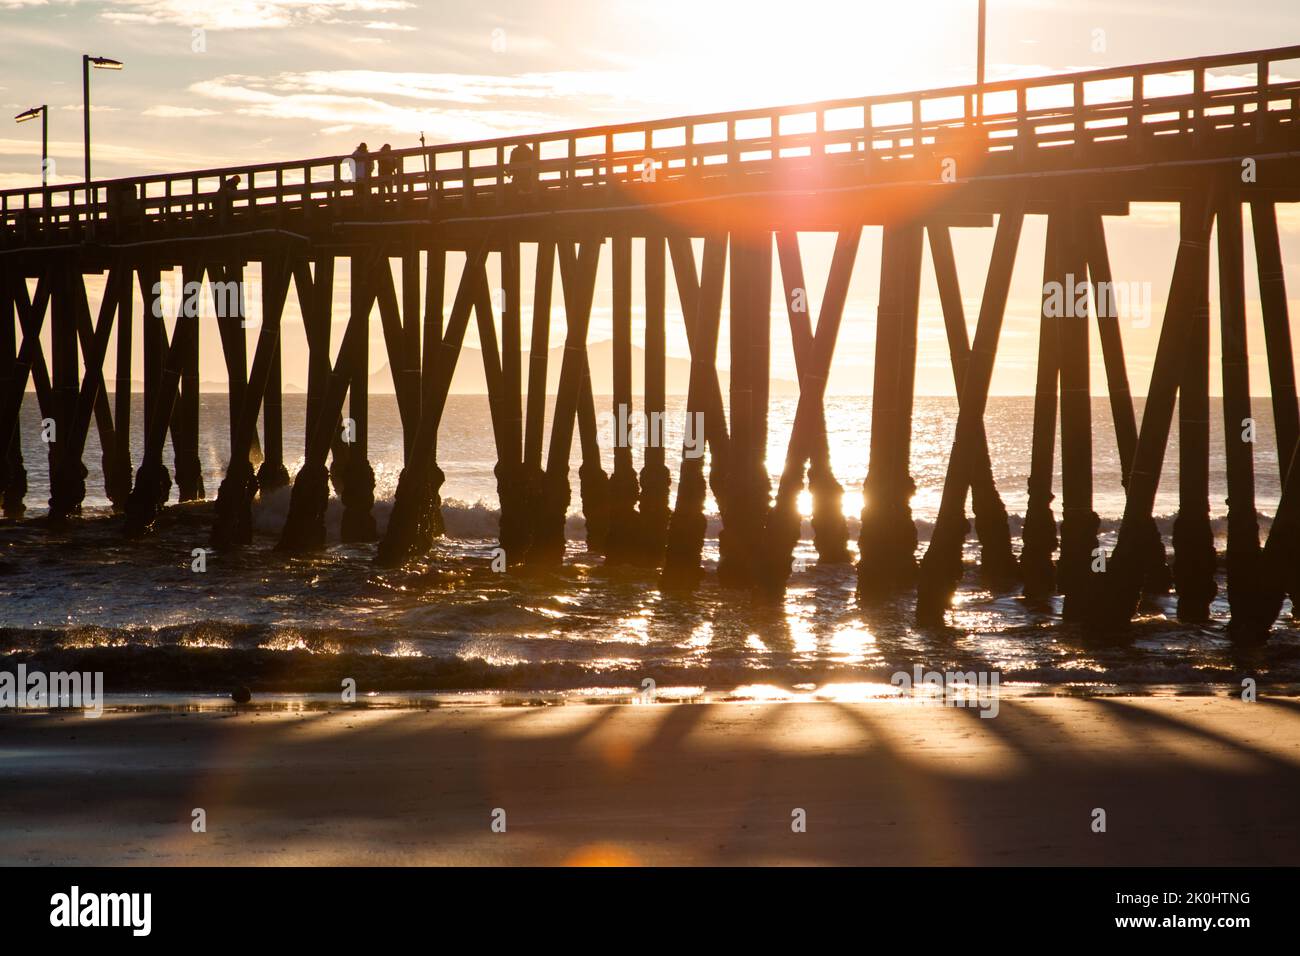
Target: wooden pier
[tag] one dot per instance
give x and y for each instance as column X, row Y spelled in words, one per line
column 738, row 187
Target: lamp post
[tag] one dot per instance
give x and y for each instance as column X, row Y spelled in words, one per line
column 44, row 112
column 979, row 61
column 99, row 63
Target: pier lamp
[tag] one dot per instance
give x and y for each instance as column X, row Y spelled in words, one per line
column 43, row 112
column 99, row 63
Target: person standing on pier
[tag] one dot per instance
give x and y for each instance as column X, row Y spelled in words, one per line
column 225, row 199
column 388, row 164
column 523, row 169
column 361, row 166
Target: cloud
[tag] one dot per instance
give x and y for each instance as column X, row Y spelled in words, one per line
column 178, row 112
column 336, row 113
column 462, row 88
column 67, row 155
column 245, row 14
column 451, row 107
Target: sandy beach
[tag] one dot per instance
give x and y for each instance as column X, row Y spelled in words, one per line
column 1183, row 781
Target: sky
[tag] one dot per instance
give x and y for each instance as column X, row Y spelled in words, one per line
column 210, row 83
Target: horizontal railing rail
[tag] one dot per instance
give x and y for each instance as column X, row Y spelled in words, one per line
column 1022, row 116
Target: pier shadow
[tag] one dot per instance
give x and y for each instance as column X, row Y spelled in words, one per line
column 879, row 783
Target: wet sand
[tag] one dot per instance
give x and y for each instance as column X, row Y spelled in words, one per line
column 1183, row 781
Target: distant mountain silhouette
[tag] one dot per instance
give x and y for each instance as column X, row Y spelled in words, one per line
column 470, row 380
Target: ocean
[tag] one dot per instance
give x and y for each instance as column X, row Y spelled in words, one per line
column 84, row 598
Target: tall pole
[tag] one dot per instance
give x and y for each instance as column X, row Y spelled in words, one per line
column 85, row 124
column 99, row 63
column 30, row 114
column 979, row 61
column 45, row 146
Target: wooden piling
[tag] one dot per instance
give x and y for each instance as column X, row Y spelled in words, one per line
column 67, row 476
column 304, row 526
column 359, row 482
column 1243, row 551
column 936, row 581
column 100, row 408
column 998, row 566
column 813, row 352
column 435, row 279
column 701, row 301
column 622, row 543
column 578, row 276
column 532, row 478
column 230, row 326
column 272, row 473
column 122, row 392
column 154, row 330
column 1276, row 565
column 593, row 483
column 538, row 354
column 1081, row 560
column 740, row 540
column 1038, row 533
column 13, row 474
column 829, row 527
column 185, row 421
column 232, row 526
column 1156, row 577
column 1193, row 538
column 656, row 481
column 94, row 342
column 316, row 302
column 513, row 522
column 171, row 358
column 1277, row 341
column 1277, row 331
column 1125, row 569
column 409, row 369
column 414, row 519
column 30, row 363
column 393, row 325
column 887, row 540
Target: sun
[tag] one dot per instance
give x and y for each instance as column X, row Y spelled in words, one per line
column 769, row 52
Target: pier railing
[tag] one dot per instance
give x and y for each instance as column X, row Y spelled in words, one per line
column 1194, row 101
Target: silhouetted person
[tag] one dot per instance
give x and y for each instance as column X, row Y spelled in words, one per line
column 522, row 168
column 226, row 198
column 361, row 165
column 388, row 164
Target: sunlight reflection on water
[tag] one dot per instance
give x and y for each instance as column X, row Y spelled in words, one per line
column 452, row 623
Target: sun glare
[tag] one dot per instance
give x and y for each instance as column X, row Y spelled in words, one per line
column 780, row 53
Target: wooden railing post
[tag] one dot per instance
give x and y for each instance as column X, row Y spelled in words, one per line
column 1261, row 109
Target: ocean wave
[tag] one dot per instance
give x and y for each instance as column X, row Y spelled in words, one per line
column 185, row 664
column 480, row 520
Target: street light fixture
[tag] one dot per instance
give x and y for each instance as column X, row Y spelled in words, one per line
column 44, row 112
column 99, row 63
